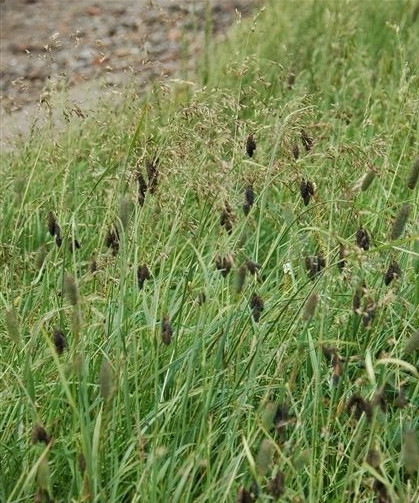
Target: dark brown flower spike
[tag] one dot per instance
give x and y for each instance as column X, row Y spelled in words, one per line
column 241, row 278
column 39, row 435
column 252, row 267
column 362, row 239
column 392, row 272
column 276, row 486
column 307, row 141
column 249, row 198
column 73, row 245
column 257, row 306
column 315, row 265
column 245, row 496
column 112, row 240
column 226, row 219
column 368, row 313
column 359, row 406
column 400, row 222
column 224, row 264
column 307, row 190
column 153, row 174
column 335, row 361
column 413, row 175
column 356, row 300
column 295, row 151
column 54, row 229
column 142, row 188
column 60, row 341
column 143, row 274
column 166, row 331
column 250, row 145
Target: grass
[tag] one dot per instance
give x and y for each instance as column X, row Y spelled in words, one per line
column 175, row 391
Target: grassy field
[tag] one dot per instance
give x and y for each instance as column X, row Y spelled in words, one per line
column 210, row 292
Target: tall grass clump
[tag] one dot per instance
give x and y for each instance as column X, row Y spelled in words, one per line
column 240, row 319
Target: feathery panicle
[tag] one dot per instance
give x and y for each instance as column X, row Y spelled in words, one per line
column 413, row 175
column 143, row 274
column 257, row 306
column 310, row 306
column 400, row 222
column 367, row 180
column 60, row 341
column 71, row 290
column 12, row 325
column 166, row 331
column 106, row 380
column 250, row 145
column 392, row 272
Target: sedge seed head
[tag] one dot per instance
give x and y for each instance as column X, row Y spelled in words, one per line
column 413, row 175
column 400, row 222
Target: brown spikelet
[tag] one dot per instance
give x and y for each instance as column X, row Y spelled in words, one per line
column 362, row 239
column 291, row 80
column 226, row 219
column 373, row 458
column 311, row 267
column 310, row 306
column 280, row 420
column 412, row 344
column 12, row 325
column 224, row 264
column 245, row 496
column 295, row 151
column 52, row 224
column 249, row 198
column 240, row 278
column 58, row 239
column 358, row 406
column 400, row 222
column 252, row 267
column 342, row 257
column 71, row 290
column 106, row 380
column 112, row 240
column 368, row 314
column 335, row 360
column 367, row 180
column 381, row 492
column 257, row 306
column 356, row 300
column 414, row 173
column 60, row 341
column 142, row 188
column 153, row 174
column 392, row 272
column 39, row 434
column 73, row 245
column 307, row 190
column 307, row 141
column 166, row 331
column 276, row 486
column 143, row 274
column 250, row 145
column 93, row 265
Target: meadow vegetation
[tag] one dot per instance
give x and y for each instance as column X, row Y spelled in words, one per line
column 210, row 291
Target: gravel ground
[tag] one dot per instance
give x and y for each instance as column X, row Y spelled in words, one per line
column 80, row 43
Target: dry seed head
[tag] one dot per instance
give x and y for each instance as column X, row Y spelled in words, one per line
column 367, row 180
column 250, row 145
column 241, row 278
column 244, row 496
column 73, row 245
column 356, row 300
column 249, row 198
column 52, row 224
column 60, row 341
column 310, row 306
column 400, row 222
column 224, row 264
column 166, row 331
column 264, row 457
column 58, row 239
column 276, row 486
column 412, row 344
column 413, row 175
column 93, row 265
column 307, row 141
column 257, row 306
column 143, row 274
column 12, row 326
column 112, row 240
column 410, row 451
column 142, row 188
column 226, row 219
column 295, row 151
column 362, row 239
column 373, row 458
column 368, row 313
column 307, row 190
column 106, row 381
column 393, row 272
column 71, row 290
column 39, row 435
column 153, row 174
column 360, row 406
column 381, row 492
column 252, row 267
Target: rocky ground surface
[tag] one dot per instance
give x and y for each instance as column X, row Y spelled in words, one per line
column 79, row 43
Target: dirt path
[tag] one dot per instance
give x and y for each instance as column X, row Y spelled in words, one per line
column 46, row 44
